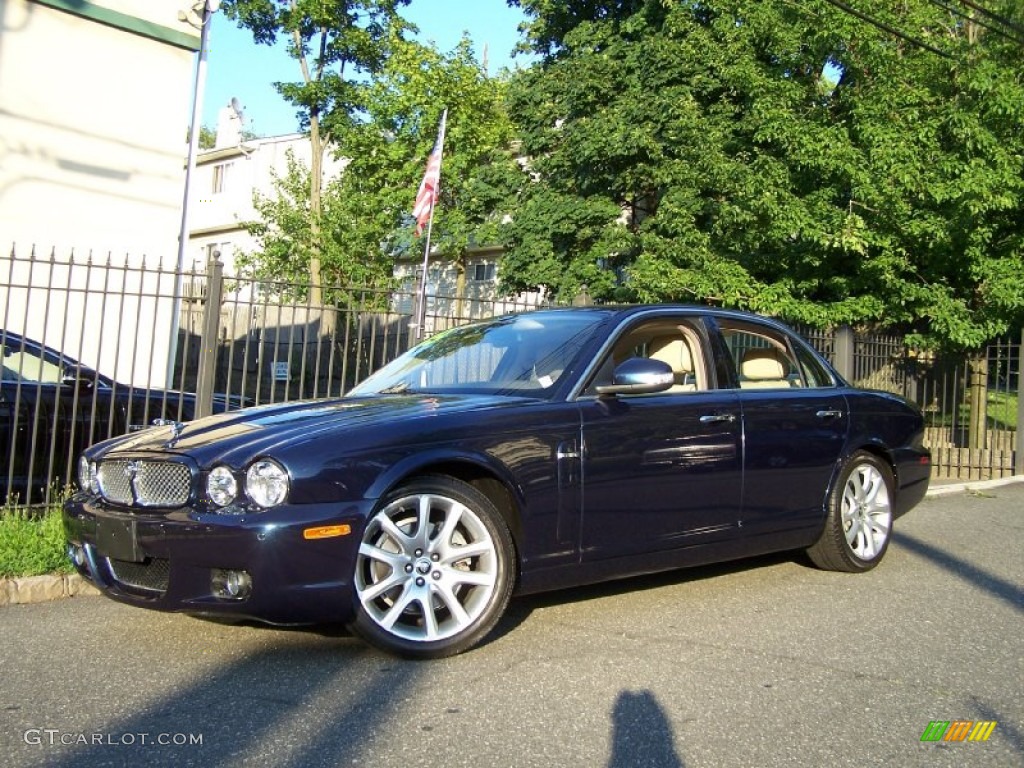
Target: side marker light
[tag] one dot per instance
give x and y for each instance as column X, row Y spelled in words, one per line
column 327, row 531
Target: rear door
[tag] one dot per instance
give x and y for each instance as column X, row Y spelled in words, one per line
column 795, row 422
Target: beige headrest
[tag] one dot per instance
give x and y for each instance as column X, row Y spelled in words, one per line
column 674, row 351
column 763, row 364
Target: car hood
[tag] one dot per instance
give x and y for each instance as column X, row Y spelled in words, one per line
column 238, row 436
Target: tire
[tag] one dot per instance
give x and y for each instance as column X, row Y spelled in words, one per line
column 435, row 569
column 859, row 522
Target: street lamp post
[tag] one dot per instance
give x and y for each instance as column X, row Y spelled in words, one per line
column 199, row 15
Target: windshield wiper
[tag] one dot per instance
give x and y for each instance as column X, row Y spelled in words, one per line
column 395, row 389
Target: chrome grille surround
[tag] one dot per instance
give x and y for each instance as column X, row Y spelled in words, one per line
column 145, row 482
column 152, row 575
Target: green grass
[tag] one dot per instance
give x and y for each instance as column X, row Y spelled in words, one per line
column 1000, row 413
column 32, row 544
column 1002, row 408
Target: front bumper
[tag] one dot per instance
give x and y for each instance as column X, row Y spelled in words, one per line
column 169, row 560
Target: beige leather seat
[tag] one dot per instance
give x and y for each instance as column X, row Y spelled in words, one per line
column 764, row 368
column 676, row 352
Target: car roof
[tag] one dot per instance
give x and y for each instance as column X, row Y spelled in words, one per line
column 623, row 311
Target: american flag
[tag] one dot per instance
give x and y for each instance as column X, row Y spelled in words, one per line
column 431, row 184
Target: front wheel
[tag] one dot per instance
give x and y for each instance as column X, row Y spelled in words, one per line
column 859, row 519
column 435, row 569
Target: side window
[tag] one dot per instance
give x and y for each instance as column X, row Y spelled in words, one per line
column 814, row 372
column 27, row 366
column 762, row 357
column 673, row 342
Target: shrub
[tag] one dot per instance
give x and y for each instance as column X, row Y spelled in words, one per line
column 32, row 544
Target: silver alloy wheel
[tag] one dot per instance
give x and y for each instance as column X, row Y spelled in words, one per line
column 427, row 567
column 866, row 511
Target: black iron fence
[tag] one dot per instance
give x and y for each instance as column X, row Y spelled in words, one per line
column 122, row 342
column 971, row 403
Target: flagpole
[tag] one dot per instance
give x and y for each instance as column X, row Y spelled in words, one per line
column 421, row 311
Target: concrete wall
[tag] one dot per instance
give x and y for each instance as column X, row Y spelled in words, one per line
column 95, row 100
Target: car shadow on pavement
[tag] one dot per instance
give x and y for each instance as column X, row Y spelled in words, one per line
column 520, row 608
column 257, row 707
column 989, row 582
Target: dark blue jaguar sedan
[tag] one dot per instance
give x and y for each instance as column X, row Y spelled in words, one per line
column 521, row 454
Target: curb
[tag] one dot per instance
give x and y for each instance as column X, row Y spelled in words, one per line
column 42, row 589
column 973, row 485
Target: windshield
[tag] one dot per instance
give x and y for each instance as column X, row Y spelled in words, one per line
column 513, row 355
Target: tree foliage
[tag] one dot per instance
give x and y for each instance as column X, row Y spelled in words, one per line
column 336, row 44
column 789, row 158
column 287, row 244
column 366, row 221
column 208, row 137
column 388, row 152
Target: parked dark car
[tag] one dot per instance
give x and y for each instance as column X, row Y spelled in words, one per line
column 52, row 407
column 521, row 454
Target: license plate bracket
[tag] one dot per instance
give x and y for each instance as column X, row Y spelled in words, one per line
column 118, row 539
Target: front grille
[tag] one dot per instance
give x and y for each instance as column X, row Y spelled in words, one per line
column 115, row 482
column 151, row 575
column 144, row 482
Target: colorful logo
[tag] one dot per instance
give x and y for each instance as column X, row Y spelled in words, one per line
column 959, row 730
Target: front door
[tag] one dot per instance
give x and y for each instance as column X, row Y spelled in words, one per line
column 660, row 472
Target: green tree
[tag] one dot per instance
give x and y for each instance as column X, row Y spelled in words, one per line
column 788, row 158
column 207, row 137
column 336, row 44
column 287, row 244
column 388, row 152
column 365, row 219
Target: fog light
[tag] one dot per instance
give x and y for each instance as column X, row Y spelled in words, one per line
column 231, row 585
column 76, row 554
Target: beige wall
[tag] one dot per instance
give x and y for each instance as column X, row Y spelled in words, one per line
column 93, row 123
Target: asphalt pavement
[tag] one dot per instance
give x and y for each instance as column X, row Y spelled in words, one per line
column 764, row 663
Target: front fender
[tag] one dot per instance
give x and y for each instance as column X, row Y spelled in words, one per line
column 465, row 464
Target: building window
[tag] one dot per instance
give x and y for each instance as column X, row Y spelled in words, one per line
column 484, row 273
column 220, row 177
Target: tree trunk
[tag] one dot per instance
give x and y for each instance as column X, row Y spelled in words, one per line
column 460, row 285
column 316, row 176
column 977, row 377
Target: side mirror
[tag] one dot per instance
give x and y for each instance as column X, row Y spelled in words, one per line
column 639, row 376
column 81, row 375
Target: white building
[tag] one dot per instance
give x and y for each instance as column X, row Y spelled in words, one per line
column 459, row 292
column 227, row 177
column 94, row 113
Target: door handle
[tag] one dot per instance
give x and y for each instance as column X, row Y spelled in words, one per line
column 829, row 414
column 718, row 418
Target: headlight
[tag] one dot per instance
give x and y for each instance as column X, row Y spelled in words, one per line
column 266, row 483
column 87, row 475
column 221, row 486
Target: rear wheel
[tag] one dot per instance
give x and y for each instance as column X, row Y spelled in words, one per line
column 435, row 569
column 859, row 520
